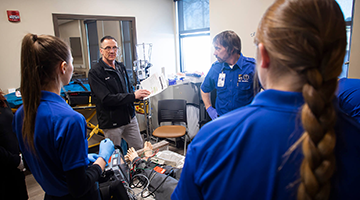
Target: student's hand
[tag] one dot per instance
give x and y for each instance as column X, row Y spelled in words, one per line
column 212, row 112
column 92, row 157
column 106, row 149
column 141, row 94
column 21, row 166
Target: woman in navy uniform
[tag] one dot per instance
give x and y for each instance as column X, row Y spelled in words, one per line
column 292, row 141
column 52, row 136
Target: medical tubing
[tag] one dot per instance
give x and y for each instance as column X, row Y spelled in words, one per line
column 153, row 192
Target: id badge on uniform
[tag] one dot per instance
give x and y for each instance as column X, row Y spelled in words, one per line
column 221, row 80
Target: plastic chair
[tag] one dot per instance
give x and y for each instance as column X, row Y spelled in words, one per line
column 171, row 110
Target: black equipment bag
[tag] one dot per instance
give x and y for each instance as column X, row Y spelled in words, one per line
column 113, row 189
column 78, row 97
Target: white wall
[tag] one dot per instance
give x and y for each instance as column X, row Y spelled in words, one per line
column 243, row 16
column 354, row 67
column 154, row 24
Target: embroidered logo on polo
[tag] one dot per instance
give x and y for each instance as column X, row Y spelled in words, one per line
column 246, row 77
column 243, row 78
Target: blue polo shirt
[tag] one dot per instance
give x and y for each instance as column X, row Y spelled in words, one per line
column 60, row 142
column 349, row 97
column 238, row 87
column 242, row 155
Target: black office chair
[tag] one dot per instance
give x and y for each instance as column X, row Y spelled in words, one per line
column 171, row 110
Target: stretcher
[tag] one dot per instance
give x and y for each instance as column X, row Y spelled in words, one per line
column 90, row 126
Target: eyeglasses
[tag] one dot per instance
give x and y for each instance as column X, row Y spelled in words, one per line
column 109, row 48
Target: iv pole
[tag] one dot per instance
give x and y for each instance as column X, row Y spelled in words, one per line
column 141, row 66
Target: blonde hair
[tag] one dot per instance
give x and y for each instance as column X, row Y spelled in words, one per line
column 39, row 57
column 309, row 37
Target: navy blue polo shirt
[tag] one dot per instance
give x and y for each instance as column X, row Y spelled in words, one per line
column 349, row 97
column 243, row 154
column 238, row 87
column 60, row 142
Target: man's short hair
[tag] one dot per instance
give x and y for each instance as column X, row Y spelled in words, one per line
column 108, row 37
column 230, row 40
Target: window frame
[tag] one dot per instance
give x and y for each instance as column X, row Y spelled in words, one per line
column 350, row 24
column 182, row 67
column 187, row 33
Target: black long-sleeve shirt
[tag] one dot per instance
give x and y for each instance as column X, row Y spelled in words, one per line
column 11, row 176
column 9, row 147
column 81, row 184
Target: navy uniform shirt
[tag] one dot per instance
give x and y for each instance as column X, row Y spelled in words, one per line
column 245, row 153
column 349, row 97
column 237, row 89
column 60, row 142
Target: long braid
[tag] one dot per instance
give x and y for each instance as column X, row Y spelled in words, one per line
column 318, row 114
column 308, row 38
column 318, row 119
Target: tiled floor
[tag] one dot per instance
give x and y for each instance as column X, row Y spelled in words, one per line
column 35, row 192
